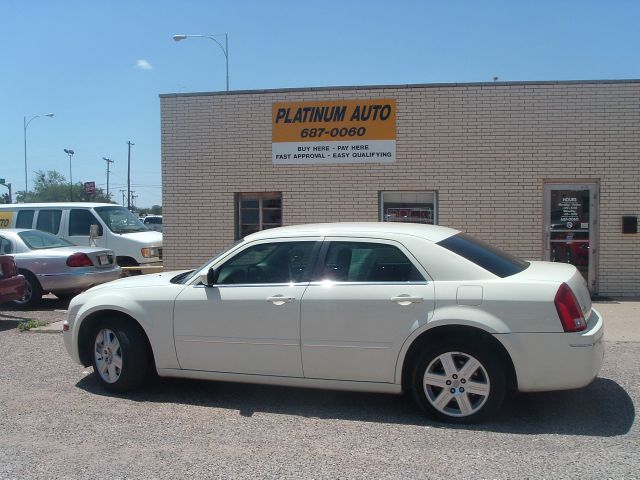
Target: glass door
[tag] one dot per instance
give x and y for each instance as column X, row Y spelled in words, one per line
column 570, row 219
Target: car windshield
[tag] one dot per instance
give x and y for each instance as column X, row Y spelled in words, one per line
column 120, row 220
column 185, row 277
column 37, row 240
column 490, row 258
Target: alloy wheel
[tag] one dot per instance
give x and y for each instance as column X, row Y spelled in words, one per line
column 108, row 355
column 456, row 384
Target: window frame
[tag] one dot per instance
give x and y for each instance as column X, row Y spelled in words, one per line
column 7, row 240
column 94, row 217
column 313, row 261
column 436, row 199
column 25, row 211
column 316, row 277
column 47, row 214
column 238, row 211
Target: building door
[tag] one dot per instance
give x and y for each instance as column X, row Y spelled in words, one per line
column 571, row 216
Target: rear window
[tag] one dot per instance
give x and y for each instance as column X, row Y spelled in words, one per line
column 37, row 240
column 490, row 258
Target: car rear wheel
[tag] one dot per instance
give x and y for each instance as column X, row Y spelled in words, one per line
column 120, row 355
column 32, row 292
column 458, row 383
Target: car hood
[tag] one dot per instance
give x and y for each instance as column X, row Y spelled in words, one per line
column 150, row 238
column 149, row 280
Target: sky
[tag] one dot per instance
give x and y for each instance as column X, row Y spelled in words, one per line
column 100, row 66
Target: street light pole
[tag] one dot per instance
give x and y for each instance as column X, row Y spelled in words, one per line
column 129, row 143
column 109, row 162
column 70, row 153
column 225, row 49
column 25, row 124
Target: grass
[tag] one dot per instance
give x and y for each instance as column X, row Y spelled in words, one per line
column 29, row 324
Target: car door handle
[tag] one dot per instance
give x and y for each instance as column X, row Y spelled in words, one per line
column 406, row 299
column 280, row 299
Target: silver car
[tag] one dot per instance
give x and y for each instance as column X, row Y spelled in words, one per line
column 53, row 265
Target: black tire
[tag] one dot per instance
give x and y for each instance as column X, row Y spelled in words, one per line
column 464, row 406
column 32, row 292
column 131, row 351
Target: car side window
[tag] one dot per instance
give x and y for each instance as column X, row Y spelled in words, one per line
column 5, row 246
column 278, row 262
column 25, row 219
column 49, row 221
column 368, row 262
column 80, row 222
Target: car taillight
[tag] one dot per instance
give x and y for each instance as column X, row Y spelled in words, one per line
column 569, row 310
column 79, row 260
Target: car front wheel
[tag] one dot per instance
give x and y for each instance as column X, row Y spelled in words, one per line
column 120, row 357
column 458, row 383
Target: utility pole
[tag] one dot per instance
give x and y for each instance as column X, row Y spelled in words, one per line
column 109, row 162
column 123, row 192
column 132, row 198
column 129, row 143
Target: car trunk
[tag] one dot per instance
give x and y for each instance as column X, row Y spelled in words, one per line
column 561, row 273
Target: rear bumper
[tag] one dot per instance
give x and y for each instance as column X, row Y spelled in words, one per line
column 557, row 361
column 77, row 281
column 11, row 288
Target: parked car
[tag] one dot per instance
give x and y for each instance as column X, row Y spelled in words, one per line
column 381, row 307
column 153, row 222
column 117, row 228
column 53, row 265
column 12, row 284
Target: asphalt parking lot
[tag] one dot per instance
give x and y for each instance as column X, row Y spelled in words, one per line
column 56, row 422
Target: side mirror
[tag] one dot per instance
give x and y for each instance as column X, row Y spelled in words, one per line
column 93, row 235
column 210, row 278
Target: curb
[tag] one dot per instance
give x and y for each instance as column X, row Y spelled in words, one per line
column 55, row 327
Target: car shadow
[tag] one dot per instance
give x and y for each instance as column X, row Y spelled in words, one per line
column 603, row 409
column 49, row 303
column 8, row 321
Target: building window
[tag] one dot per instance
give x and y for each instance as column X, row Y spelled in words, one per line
column 257, row 211
column 412, row 207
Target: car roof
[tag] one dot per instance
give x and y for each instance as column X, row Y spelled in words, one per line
column 57, row 204
column 433, row 233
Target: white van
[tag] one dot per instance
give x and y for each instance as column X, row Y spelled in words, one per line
column 118, row 229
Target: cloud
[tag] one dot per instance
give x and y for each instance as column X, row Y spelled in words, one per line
column 142, row 64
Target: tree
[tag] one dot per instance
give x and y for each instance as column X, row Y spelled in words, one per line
column 52, row 186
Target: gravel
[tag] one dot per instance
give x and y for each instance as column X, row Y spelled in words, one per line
column 56, row 422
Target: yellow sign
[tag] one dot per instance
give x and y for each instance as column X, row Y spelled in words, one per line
column 5, row 219
column 337, row 131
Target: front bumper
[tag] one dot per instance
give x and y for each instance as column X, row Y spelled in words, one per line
column 557, row 361
column 77, row 281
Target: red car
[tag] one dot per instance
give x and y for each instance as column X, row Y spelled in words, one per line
column 11, row 284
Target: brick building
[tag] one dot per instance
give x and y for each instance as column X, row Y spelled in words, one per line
column 545, row 170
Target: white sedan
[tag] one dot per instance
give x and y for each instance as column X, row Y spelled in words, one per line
column 380, row 307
